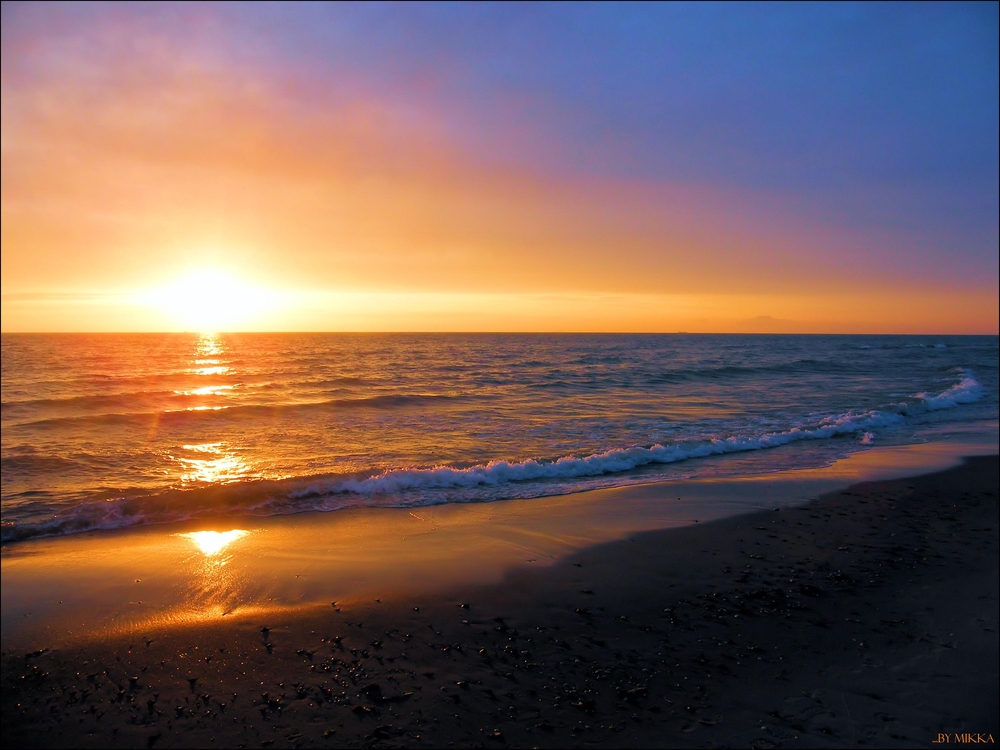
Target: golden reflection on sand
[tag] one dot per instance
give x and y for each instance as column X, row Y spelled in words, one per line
column 211, row 543
column 215, row 588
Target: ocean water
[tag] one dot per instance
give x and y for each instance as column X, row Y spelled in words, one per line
column 114, row 430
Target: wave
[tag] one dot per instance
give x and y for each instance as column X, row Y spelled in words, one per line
column 27, row 465
column 620, row 460
column 227, row 398
column 185, row 388
column 91, row 405
column 967, row 390
column 614, row 461
column 219, row 408
column 726, row 372
column 275, row 497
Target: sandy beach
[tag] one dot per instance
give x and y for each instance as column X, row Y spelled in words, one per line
column 866, row 617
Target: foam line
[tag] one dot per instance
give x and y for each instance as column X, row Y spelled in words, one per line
column 625, row 459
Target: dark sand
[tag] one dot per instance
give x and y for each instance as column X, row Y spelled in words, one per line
column 868, row 617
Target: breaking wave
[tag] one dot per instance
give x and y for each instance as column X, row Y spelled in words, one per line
column 620, row 460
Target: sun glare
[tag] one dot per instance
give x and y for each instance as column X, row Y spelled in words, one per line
column 213, row 542
column 210, row 301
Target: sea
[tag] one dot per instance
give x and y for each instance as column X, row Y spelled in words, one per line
column 107, row 431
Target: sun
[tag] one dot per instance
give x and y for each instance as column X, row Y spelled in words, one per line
column 210, row 301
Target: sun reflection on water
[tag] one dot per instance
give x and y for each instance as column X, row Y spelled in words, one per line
column 207, row 357
column 208, row 390
column 216, row 370
column 213, row 463
column 209, row 345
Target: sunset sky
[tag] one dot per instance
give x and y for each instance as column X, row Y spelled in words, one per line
column 500, row 167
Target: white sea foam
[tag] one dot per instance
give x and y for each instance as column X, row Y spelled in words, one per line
column 625, row 459
column 967, row 390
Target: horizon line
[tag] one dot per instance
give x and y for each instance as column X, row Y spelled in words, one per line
column 484, row 333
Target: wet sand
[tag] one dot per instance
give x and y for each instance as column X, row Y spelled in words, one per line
column 867, row 617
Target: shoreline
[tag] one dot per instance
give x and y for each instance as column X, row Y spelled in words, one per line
column 100, row 583
column 868, row 616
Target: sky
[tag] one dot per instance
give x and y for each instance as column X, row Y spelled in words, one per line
column 500, row 167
